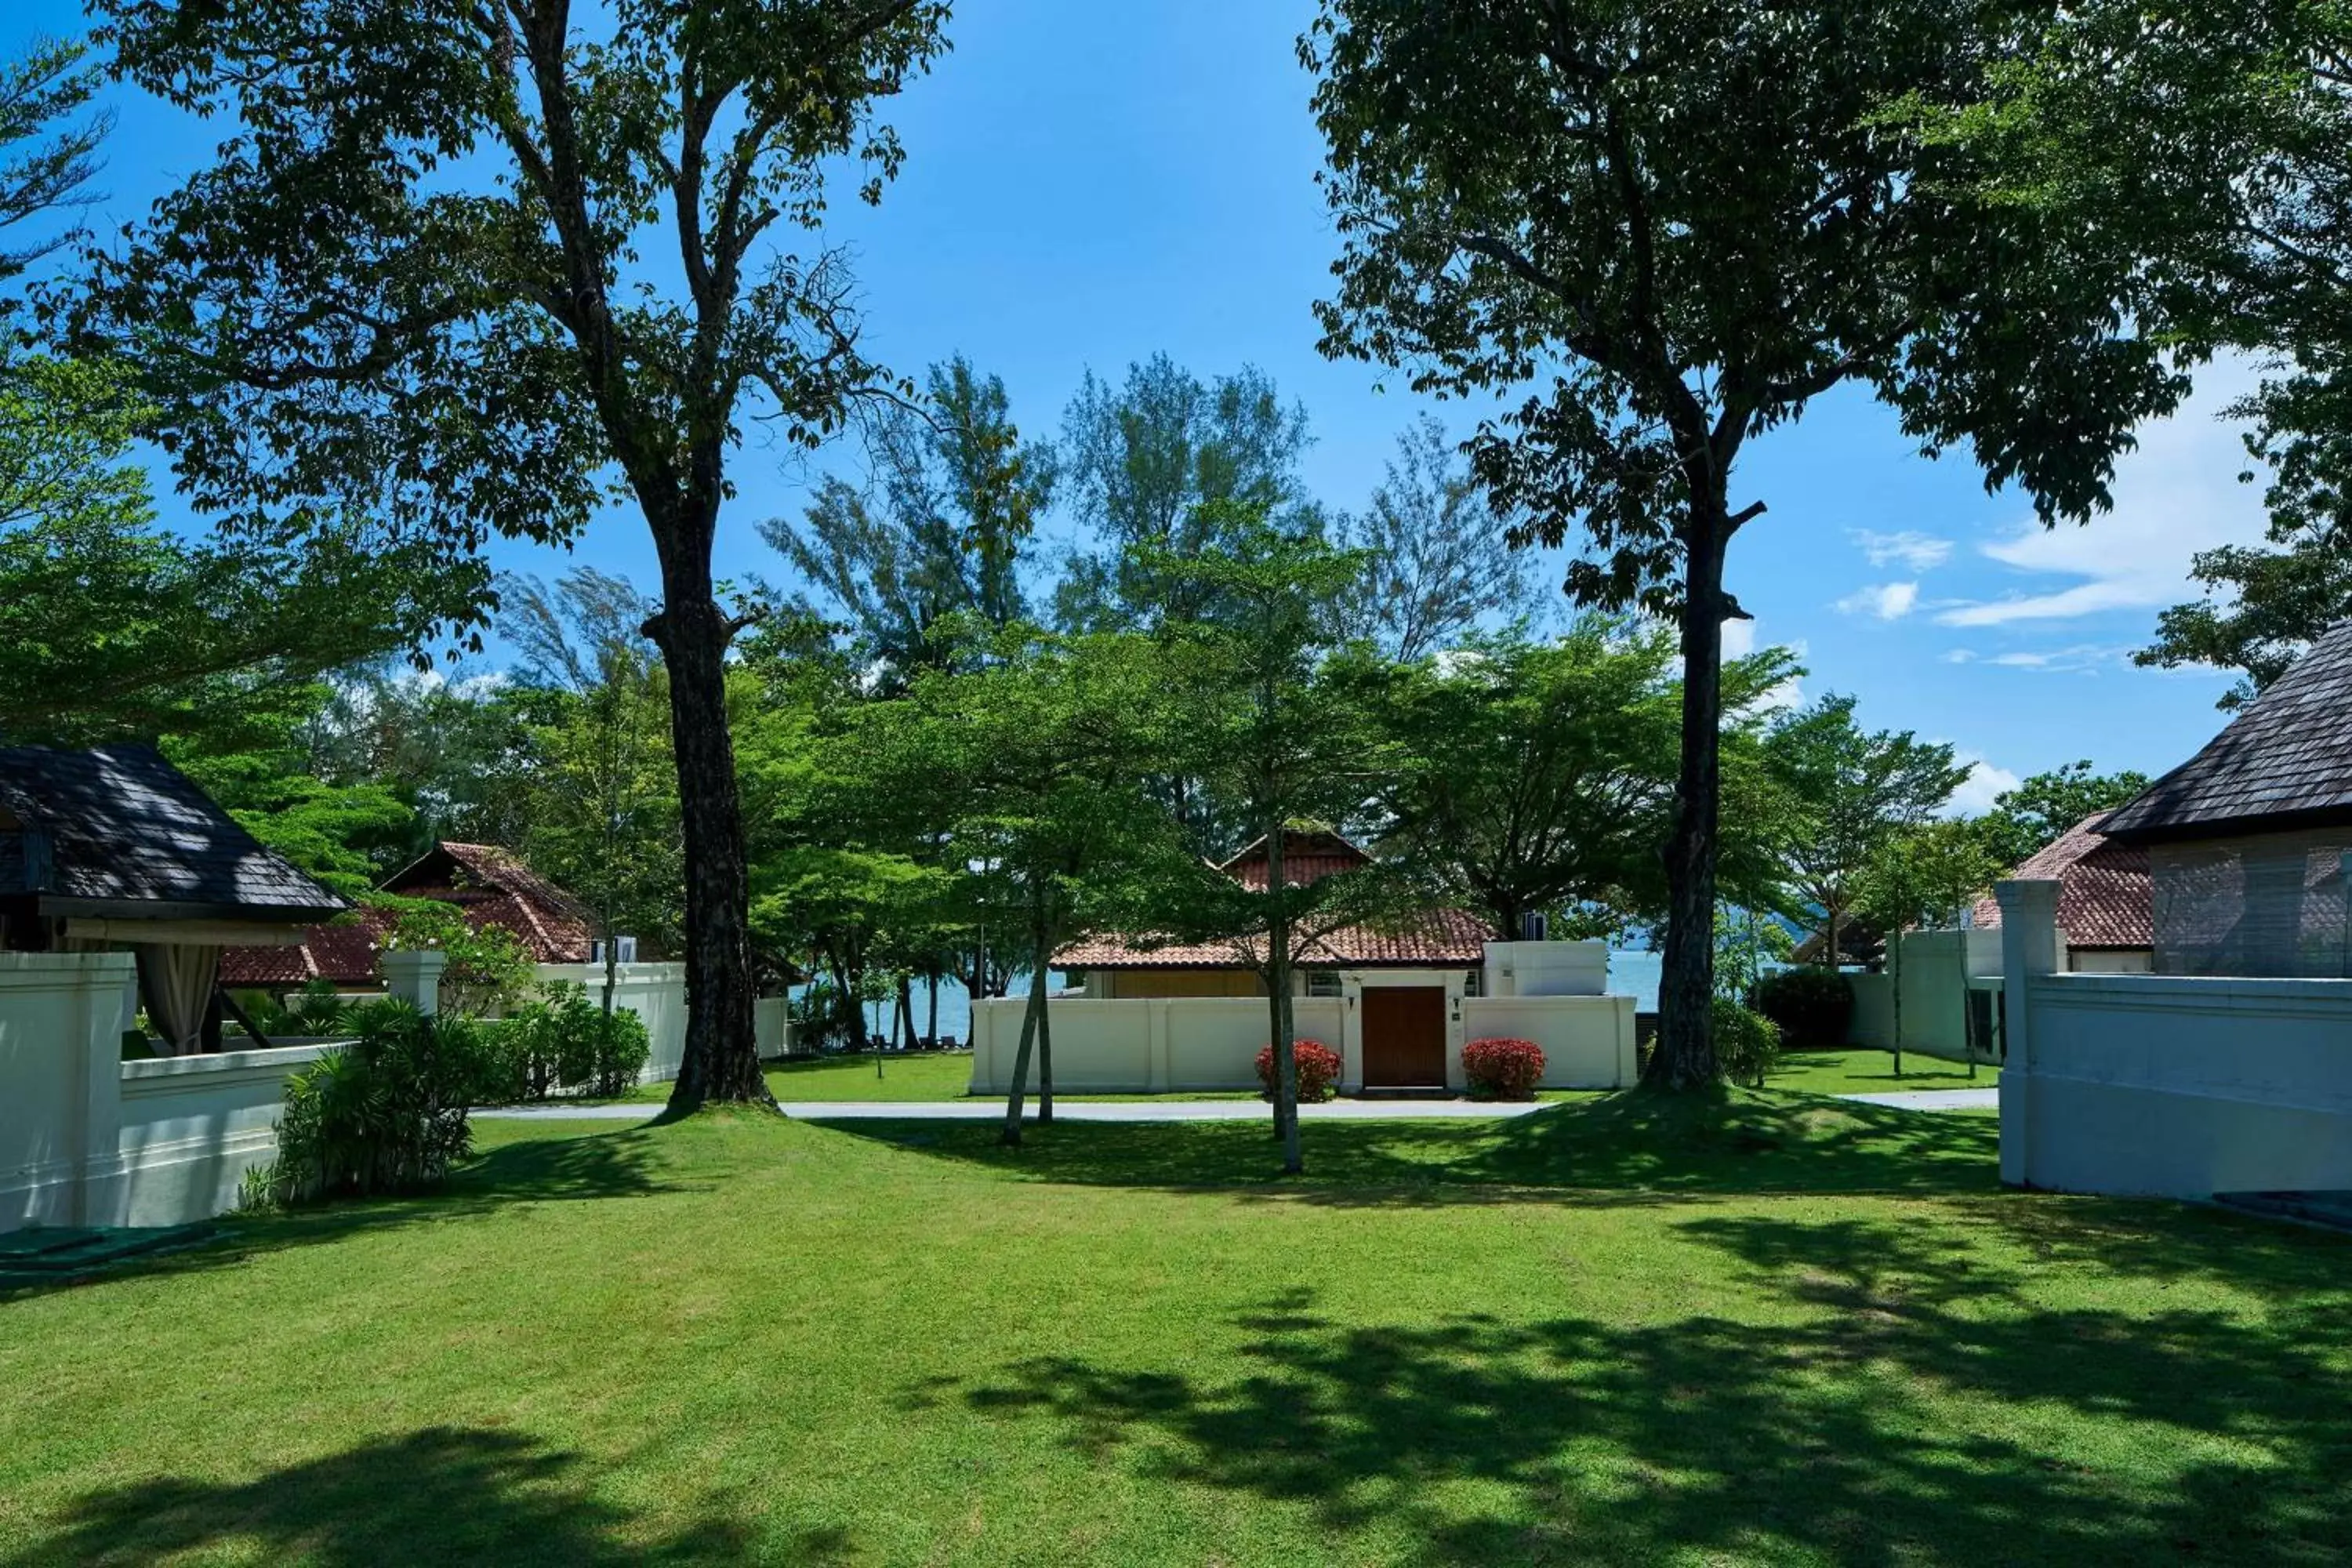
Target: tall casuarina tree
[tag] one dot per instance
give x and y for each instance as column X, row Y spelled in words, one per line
column 466, row 267
column 1663, row 230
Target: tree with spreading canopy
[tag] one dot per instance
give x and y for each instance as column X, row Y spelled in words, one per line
column 1857, row 790
column 1669, row 229
column 1921, row 875
column 1272, row 726
column 1539, row 775
column 112, row 624
column 2031, row 813
column 2199, row 148
column 469, row 270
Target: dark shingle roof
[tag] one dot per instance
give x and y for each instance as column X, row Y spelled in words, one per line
column 2105, row 897
column 119, row 831
column 2286, row 761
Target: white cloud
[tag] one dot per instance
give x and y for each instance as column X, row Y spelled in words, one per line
column 2083, row 658
column 1975, row 795
column 1738, row 638
column 1886, row 600
column 2177, row 495
column 1912, row 551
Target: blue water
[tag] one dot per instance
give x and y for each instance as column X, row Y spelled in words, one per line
column 1636, row 974
column 1631, row 974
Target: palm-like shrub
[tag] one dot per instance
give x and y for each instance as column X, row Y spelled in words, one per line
column 383, row 1114
column 1747, row 1043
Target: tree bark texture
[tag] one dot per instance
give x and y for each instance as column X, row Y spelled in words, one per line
column 1037, row 985
column 1685, row 1056
column 1011, row 1137
column 722, row 1059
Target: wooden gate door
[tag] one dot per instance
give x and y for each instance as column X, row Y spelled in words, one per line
column 1404, row 1036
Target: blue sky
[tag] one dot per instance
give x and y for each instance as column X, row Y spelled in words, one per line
column 1088, row 184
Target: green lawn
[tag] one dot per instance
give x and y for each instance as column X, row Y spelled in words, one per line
column 1872, row 1072
column 917, row 1075
column 1772, row 1330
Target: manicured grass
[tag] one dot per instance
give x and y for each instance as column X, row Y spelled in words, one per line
column 905, row 1075
column 1767, row 1329
column 1872, row 1072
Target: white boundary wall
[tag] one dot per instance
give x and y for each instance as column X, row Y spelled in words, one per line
column 87, row 1138
column 1935, row 969
column 653, row 992
column 2167, row 1085
column 1170, row 1045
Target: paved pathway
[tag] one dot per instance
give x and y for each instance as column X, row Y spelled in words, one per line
column 1933, row 1098
column 1064, row 1111
column 1181, row 1110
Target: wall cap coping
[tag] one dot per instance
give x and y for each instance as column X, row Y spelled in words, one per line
column 39, row 968
column 225, row 1062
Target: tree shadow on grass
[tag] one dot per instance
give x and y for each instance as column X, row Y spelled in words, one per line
column 541, row 1169
column 443, row 1494
column 1636, row 1144
column 1927, row 1409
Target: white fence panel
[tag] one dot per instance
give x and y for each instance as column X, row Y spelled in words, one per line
column 1588, row 1041
column 2167, row 1085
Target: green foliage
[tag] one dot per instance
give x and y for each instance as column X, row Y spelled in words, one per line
column 315, row 1010
column 561, row 1040
column 1502, row 1068
column 1745, row 1042
column 487, row 966
column 385, row 1114
column 1166, row 470
column 1857, row 790
column 1809, row 1006
column 1540, row 775
column 2198, row 149
column 956, row 497
column 2038, row 810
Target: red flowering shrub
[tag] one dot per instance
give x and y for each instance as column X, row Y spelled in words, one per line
column 1503, row 1070
column 1319, row 1070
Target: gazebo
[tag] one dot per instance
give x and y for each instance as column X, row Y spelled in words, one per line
column 115, row 848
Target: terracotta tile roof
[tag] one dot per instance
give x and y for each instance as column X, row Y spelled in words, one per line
column 489, row 886
column 1443, row 939
column 2286, row 759
column 2105, row 897
column 1309, row 856
column 120, row 828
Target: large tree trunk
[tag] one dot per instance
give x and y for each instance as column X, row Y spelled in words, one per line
column 1685, row 1056
column 1286, row 1049
column 1038, row 985
column 1011, row 1136
column 722, row 1059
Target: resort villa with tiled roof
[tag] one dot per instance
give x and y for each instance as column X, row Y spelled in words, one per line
column 2249, row 843
column 488, row 886
column 2104, row 910
column 1397, row 1001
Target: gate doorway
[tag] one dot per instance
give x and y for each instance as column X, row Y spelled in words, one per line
column 1404, row 1036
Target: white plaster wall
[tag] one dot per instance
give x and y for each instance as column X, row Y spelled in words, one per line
column 191, row 1128
column 1193, row 1043
column 653, row 992
column 61, row 1020
column 87, row 1138
column 1936, row 967
column 1142, row 1046
column 1547, row 968
column 1588, row 1041
column 772, row 1025
column 2180, row 1085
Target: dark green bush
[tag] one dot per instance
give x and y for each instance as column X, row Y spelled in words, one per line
column 1811, row 1007
column 1747, row 1043
column 385, row 1114
column 562, row 1040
